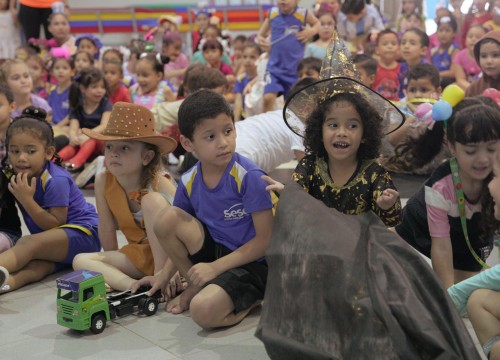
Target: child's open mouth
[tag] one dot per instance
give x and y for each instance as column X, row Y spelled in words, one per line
column 340, row 145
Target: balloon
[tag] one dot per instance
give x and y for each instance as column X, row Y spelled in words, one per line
column 423, row 111
column 493, row 94
column 441, row 110
column 453, row 94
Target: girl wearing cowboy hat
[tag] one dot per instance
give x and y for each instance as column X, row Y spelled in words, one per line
column 129, row 196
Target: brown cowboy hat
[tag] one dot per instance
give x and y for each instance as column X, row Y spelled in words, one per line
column 132, row 122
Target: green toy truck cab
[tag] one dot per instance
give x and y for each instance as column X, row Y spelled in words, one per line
column 81, row 301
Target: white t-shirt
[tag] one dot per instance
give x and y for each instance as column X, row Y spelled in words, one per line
column 266, row 140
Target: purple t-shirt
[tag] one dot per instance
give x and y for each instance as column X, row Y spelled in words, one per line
column 59, row 102
column 56, row 188
column 241, row 81
column 226, row 209
column 35, row 101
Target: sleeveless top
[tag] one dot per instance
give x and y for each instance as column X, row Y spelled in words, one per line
column 138, row 250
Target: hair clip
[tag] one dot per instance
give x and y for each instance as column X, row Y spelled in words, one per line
column 445, row 19
column 157, row 56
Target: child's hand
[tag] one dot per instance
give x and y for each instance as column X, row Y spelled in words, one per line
column 230, row 79
column 156, row 283
column 305, row 34
column 201, row 273
column 264, row 41
column 168, row 94
column 22, row 188
column 273, row 184
column 387, row 199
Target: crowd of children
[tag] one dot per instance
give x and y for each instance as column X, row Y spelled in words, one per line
column 72, row 102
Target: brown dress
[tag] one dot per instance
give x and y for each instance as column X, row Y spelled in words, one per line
column 137, row 250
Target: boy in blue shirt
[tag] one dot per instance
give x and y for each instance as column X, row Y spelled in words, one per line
column 286, row 23
column 220, row 225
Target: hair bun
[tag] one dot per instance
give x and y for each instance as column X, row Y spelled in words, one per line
column 164, row 59
column 35, row 112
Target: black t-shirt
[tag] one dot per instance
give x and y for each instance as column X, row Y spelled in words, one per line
column 92, row 120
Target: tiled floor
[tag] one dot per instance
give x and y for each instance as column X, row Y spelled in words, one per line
column 28, row 328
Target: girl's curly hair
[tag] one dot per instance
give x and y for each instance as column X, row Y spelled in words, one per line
column 370, row 118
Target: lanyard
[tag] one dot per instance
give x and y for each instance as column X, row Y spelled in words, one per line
column 461, row 209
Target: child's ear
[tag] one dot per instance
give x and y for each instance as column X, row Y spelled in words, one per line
column 13, row 106
column 148, row 156
column 371, row 79
column 49, row 152
column 186, row 143
column 423, row 51
column 452, row 148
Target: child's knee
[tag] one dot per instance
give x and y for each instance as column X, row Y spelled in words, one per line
column 269, row 97
column 203, row 312
column 153, row 202
column 166, row 221
column 476, row 300
column 81, row 261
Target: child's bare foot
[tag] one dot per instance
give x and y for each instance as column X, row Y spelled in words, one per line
column 181, row 303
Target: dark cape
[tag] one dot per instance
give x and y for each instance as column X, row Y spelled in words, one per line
column 345, row 287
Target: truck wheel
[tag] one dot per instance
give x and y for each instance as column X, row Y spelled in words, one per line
column 98, row 323
column 149, row 307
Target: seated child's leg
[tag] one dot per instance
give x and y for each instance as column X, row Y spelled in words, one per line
column 483, row 308
column 460, row 292
column 229, row 297
column 86, row 150
column 34, row 271
column 212, row 307
column 51, row 245
column 179, row 234
column 117, row 269
column 67, row 152
column 495, row 351
column 151, row 205
column 269, row 100
column 272, row 88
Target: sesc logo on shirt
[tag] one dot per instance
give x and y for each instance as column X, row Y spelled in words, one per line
column 235, row 212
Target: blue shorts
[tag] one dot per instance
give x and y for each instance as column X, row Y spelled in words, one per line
column 79, row 242
column 278, row 85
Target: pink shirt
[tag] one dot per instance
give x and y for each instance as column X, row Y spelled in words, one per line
column 180, row 63
column 441, row 202
column 225, row 68
column 469, row 64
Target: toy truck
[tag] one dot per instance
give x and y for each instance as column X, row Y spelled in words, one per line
column 82, row 302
